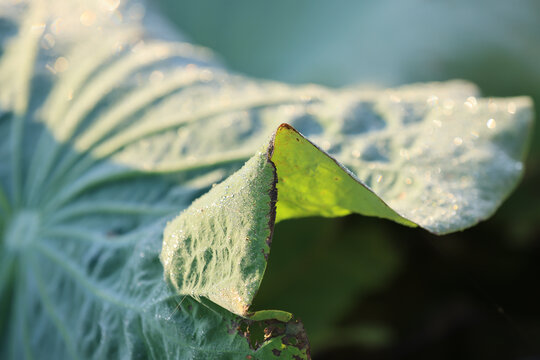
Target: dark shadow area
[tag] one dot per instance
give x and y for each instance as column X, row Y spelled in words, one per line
column 470, row 295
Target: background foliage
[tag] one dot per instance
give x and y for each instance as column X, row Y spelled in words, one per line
column 468, row 295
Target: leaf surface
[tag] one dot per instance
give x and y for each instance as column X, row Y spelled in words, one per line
column 111, row 130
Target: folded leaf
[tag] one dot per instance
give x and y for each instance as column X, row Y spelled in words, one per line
column 202, row 246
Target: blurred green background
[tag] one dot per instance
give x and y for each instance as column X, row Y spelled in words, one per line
column 367, row 288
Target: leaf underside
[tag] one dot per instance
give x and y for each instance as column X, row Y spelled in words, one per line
column 110, row 129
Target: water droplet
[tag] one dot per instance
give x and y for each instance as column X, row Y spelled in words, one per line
column 475, row 134
column 432, row 100
column 448, row 107
column 156, row 76
column 88, row 18
column 37, row 29
column 491, row 124
column 110, row 5
column 511, row 108
column 455, row 207
column 379, row 178
column 395, row 98
column 472, row 104
column 458, row 141
column 57, row 26
column 404, row 153
column 118, row 46
column 206, row 75
column 437, row 123
column 61, row 64
column 138, row 46
column 50, row 68
column 47, row 42
column 191, row 67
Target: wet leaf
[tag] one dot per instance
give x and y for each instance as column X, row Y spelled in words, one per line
column 113, row 129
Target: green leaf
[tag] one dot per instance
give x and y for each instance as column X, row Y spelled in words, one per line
column 110, row 129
